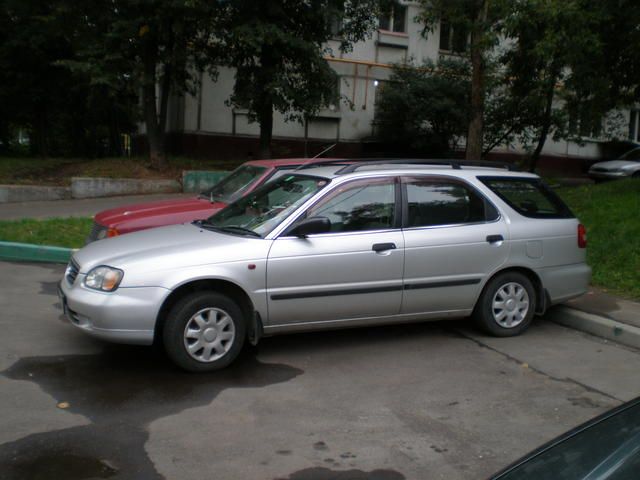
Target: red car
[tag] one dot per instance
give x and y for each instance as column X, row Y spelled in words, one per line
column 244, row 179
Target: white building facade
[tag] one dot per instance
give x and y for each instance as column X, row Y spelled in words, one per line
column 205, row 125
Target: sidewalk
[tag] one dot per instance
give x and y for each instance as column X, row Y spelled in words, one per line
column 77, row 208
column 602, row 314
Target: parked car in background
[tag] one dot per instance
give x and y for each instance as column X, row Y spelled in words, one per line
column 628, row 165
column 605, row 448
column 244, row 179
column 331, row 247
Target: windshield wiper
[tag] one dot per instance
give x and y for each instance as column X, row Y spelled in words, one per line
column 238, row 229
column 230, row 228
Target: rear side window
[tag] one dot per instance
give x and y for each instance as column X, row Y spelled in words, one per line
column 442, row 202
column 528, row 196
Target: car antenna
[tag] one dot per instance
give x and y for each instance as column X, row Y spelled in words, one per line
column 324, row 151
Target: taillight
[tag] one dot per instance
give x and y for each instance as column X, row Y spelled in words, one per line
column 582, row 236
column 112, row 232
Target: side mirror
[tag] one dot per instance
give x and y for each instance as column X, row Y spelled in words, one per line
column 311, row 226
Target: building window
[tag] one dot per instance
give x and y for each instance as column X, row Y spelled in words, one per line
column 333, row 101
column 634, row 120
column 394, row 19
column 583, row 123
column 454, row 40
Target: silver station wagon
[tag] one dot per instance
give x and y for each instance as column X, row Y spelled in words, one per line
column 340, row 245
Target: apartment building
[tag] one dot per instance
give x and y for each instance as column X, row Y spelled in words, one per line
column 206, row 125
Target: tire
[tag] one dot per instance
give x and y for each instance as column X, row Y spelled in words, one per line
column 513, row 292
column 211, row 324
column 636, row 175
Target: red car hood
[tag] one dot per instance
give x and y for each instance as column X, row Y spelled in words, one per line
column 140, row 216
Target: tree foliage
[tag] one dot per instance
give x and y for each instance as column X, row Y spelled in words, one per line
column 482, row 21
column 62, row 112
column 277, row 48
column 148, row 46
column 424, row 110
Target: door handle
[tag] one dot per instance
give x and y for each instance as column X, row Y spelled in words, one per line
column 494, row 238
column 381, row 247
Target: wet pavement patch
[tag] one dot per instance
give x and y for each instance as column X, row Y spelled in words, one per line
column 49, row 288
column 121, row 391
column 320, row 473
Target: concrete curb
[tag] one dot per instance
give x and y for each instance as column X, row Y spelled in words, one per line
column 596, row 325
column 32, row 193
column 34, row 253
column 94, row 187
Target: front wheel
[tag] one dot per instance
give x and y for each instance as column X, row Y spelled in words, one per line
column 205, row 331
column 506, row 305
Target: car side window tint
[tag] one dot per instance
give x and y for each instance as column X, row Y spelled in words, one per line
column 528, row 196
column 434, row 202
column 359, row 206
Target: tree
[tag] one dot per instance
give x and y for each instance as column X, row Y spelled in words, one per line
column 277, row 48
column 150, row 46
column 62, row 112
column 553, row 40
column 424, row 109
column 481, row 19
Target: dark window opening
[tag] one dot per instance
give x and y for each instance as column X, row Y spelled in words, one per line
column 453, row 39
column 394, row 19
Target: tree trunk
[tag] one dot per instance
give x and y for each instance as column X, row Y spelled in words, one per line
column 476, row 122
column 265, row 118
column 155, row 129
column 546, row 121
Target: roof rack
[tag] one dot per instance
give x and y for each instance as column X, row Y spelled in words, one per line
column 454, row 164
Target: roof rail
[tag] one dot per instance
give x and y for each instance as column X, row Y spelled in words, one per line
column 454, row 164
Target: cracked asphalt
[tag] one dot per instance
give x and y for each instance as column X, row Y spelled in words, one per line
column 423, row 401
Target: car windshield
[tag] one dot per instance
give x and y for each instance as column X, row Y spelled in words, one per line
column 263, row 210
column 235, row 184
column 632, row 155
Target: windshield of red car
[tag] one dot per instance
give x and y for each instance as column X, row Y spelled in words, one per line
column 236, row 184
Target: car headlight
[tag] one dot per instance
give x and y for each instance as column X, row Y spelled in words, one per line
column 103, row 278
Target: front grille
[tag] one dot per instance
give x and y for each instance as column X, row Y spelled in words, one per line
column 599, row 169
column 98, row 232
column 72, row 271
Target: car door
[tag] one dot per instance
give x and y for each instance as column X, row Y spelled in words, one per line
column 454, row 238
column 352, row 271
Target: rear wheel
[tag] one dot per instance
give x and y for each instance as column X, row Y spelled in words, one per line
column 204, row 331
column 506, row 305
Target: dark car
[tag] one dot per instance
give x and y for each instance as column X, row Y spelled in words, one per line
column 605, row 448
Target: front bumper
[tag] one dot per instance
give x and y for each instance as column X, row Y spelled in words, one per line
column 127, row 315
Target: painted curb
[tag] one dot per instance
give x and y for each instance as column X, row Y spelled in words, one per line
column 596, row 325
column 27, row 252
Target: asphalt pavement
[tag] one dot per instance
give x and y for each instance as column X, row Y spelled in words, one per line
column 424, row 401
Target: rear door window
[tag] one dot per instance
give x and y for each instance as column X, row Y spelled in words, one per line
column 433, row 202
column 528, row 196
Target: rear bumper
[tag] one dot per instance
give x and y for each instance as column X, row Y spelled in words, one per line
column 127, row 315
column 566, row 281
